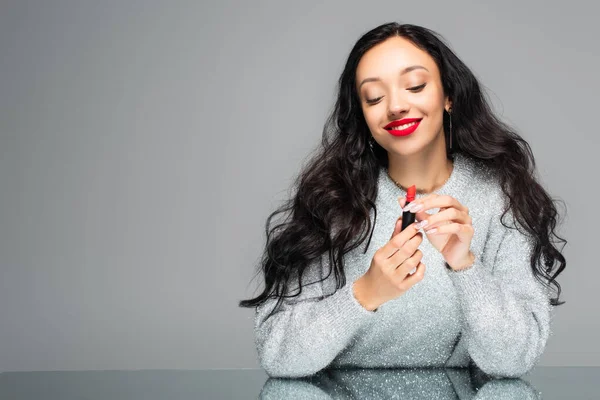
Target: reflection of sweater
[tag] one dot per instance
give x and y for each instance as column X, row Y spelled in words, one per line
column 409, row 383
column 495, row 313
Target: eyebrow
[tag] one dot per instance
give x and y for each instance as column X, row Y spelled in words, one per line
column 404, row 71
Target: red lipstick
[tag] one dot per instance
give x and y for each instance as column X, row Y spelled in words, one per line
column 403, row 132
column 407, row 216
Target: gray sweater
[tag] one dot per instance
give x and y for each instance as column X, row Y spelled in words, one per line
column 494, row 314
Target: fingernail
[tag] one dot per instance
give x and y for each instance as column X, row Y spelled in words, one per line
column 416, row 208
column 412, row 207
column 421, row 224
column 434, row 230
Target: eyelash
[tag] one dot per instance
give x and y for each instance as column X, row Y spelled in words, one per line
column 415, row 89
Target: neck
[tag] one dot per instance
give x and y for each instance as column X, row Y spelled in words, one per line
column 426, row 172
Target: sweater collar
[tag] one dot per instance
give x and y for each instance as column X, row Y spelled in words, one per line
column 459, row 178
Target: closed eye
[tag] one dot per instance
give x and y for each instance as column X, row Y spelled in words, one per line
column 414, row 89
column 417, row 88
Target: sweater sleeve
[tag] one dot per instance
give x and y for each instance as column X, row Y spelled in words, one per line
column 506, row 310
column 308, row 331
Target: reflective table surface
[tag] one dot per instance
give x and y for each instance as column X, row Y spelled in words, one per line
column 420, row 383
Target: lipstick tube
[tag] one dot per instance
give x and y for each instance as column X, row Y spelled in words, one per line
column 407, row 216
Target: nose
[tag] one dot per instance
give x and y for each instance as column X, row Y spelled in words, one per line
column 398, row 104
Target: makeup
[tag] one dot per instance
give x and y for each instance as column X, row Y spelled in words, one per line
column 408, row 125
column 407, row 216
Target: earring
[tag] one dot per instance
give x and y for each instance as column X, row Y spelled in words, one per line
column 450, row 133
column 371, row 144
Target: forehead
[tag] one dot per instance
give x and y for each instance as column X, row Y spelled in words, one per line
column 386, row 59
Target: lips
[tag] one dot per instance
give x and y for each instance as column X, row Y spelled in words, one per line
column 403, row 132
column 401, row 122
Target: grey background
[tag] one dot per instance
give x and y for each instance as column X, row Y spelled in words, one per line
column 143, row 144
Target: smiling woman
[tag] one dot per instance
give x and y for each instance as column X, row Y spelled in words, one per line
column 401, row 82
column 410, row 113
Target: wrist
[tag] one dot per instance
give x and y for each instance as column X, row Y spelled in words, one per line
column 362, row 296
column 463, row 264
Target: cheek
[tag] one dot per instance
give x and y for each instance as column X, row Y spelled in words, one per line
column 371, row 116
column 429, row 104
column 430, row 100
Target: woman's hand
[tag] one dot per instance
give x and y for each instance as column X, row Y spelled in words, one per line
column 394, row 269
column 450, row 230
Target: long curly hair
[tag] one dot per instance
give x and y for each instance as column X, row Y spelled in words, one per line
column 338, row 185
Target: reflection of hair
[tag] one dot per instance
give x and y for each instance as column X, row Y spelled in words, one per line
column 337, row 189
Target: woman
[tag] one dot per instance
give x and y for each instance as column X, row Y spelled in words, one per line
column 476, row 292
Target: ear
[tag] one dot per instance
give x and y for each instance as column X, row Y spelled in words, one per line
column 448, row 105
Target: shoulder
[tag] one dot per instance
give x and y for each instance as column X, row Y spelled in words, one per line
column 485, row 196
column 488, row 206
column 489, row 197
column 483, row 186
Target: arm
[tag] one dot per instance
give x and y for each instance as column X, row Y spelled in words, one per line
column 506, row 310
column 307, row 332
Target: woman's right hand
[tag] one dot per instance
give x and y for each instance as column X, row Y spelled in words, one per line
column 388, row 276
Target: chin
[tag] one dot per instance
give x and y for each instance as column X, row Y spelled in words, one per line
column 407, row 149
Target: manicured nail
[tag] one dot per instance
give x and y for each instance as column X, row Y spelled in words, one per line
column 421, row 224
column 408, row 207
column 417, row 208
column 434, row 230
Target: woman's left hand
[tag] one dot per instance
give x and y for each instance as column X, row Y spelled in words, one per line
column 453, row 228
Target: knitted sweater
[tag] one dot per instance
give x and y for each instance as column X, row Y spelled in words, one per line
column 494, row 314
